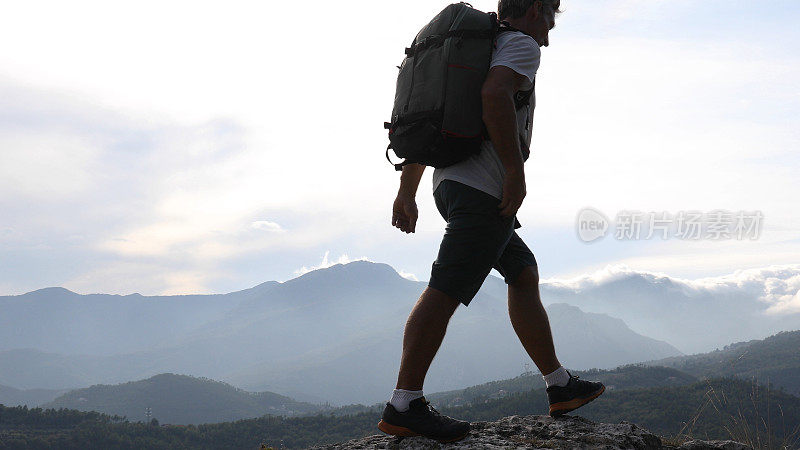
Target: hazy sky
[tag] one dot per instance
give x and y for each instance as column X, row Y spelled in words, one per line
column 182, row 147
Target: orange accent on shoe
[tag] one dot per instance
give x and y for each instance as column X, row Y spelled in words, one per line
column 565, row 407
column 394, row 430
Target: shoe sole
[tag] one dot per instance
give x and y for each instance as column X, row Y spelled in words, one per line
column 395, row 430
column 558, row 409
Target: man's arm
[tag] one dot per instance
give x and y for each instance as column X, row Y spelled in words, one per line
column 500, row 118
column 404, row 210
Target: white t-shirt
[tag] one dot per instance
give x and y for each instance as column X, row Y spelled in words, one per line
column 484, row 170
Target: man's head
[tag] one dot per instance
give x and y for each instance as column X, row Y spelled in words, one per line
column 535, row 17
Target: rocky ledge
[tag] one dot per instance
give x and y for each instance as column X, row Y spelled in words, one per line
column 541, row 432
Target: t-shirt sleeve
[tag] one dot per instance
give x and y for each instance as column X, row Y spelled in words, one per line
column 518, row 52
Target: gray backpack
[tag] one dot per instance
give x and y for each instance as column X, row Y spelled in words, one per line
column 437, row 118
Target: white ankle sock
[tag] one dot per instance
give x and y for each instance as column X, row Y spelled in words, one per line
column 558, row 377
column 401, row 398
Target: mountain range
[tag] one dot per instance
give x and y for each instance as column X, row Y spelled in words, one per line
column 180, row 399
column 303, row 338
column 306, row 337
column 693, row 315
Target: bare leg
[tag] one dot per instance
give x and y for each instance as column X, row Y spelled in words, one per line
column 530, row 322
column 424, row 333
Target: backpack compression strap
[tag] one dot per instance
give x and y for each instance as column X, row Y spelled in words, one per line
column 438, row 39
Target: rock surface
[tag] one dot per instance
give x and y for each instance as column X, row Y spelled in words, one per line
column 545, row 432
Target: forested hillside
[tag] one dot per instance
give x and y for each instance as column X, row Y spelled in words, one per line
column 723, row 408
column 180, row 399
column 775, row 359
column 632, row 376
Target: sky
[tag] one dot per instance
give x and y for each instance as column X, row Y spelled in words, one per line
column 200, row 147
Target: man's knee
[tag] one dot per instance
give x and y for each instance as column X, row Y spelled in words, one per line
column 441, row 300
column 527, row 279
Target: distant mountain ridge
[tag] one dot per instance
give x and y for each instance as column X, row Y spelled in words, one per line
column 695, row 316
column 57, row 320
column 603, row 331
column 461, row 359
column 10, row 396
column 304, row 338
column 180, row 399
column 319, row 328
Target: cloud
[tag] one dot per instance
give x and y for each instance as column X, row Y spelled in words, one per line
column 637, row 110
column 408, row 275
column 6, row 233
column 786, row 304
column 147, row 278
column 266, row 225
column 46, row 167
column 142, row 193
column 343, row 259
column 778, row 286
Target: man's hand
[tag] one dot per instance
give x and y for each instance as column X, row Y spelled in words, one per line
column 513, row 193
column 404, row 213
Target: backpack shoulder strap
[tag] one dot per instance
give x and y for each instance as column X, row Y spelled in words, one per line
column 506, row 27
column 523, row 98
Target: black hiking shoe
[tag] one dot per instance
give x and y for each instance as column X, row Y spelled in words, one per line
column 421, row 419
column 575, row 394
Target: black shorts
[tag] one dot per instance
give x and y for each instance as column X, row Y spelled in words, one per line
column 476, row 240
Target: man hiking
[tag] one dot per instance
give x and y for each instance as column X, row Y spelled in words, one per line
column 479, row 198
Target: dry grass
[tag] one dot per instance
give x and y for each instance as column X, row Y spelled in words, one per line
column 758, row 432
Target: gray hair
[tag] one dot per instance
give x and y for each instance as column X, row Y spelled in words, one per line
column 517, row 8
